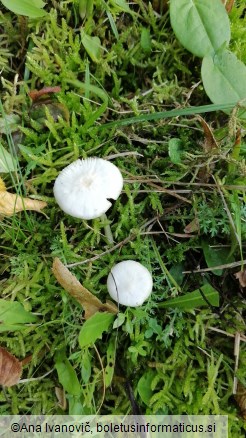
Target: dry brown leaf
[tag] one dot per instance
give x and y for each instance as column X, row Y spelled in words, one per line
column 192, row 226
column 240, row 398
column 11, row 203
column 61, row 397
column 228, row 5
column 2, row 185
column 36, row 94
column 210, row 142
column 88, row 301
column 241, row 276
column 10, row 368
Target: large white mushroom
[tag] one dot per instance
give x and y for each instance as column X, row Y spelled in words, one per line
column 129, row 283
column 84, row 188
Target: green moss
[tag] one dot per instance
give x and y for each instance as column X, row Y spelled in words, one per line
column 189, row 367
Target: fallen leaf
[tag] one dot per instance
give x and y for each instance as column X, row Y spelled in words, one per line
column 88, row 301
column 241, row 276
column 192, row 226
column 10, row 368
column 228, row 5
column 240, row 398
column 36, row 94
column 61, row 397
column 210, row 142
column 2, row 186
column 11, row 203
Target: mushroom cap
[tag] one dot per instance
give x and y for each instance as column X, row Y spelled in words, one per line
column 84, row 187
column 134, row 283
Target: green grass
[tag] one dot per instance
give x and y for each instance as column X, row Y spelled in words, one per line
column 132, row 101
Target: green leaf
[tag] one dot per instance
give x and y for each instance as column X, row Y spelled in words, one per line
column 9, row 123
column 86, row 8
column 94, row 327
column 7, row 161
column 175, row 150
column 13, row 313
column 145, row 41
column 168, row 114
column 144, row 386
column 66, row 374
column 92, row 45
column 176, row 272
column 216, row 257
column 194, row 299
column 224, row 78
column 11, row 327
column 29, row 8
column 86, row 366
column 120, row 5
column 113, row 25
column 120, row 319
column 202, row 26
column 76, row 407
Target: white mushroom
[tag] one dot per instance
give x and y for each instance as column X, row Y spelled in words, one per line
column 129, row 283
column 84, row 188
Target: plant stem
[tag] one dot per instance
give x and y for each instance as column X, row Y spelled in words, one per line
column 107, row 229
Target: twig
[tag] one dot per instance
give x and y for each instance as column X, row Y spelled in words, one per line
column 113, row 248
column 242, row 337
column 214, row 268
column 32, row 379
column 122, row 154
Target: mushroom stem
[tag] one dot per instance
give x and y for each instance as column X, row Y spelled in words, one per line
column 107, row 229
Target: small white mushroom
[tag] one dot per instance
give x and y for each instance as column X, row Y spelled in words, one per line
column 84, row 188
column 129, row 283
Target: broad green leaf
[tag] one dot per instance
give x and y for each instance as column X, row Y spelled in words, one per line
column 9, row 123
column 7, row 161
column 121, row 5
column 216, row 257
column 145, row 41
column 144, row 386
column 67, row 375
column 92, row 45
column 85, row 8
column 120, row 319
column 194, row 299
column 12, row 312
column 201, row 26
column 11, row 327
column 224, row 78
column 76, row 407
column 109, row 370
column 94, row 327
column 29, row 8
column 175, row 150
column 176, row 272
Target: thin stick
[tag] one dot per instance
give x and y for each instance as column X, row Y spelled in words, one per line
column 113, row 248
column 242, row 337
column 214, row 268
column 32, row 379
